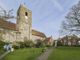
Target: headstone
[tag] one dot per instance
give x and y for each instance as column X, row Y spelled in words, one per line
column 56, row 43
column 8, row 47
column 12, row 49
column 5, row 46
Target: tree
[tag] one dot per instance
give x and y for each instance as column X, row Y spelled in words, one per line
column 72, row 20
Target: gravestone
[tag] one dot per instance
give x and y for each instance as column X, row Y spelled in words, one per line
column 55, row 43
column 8, row 47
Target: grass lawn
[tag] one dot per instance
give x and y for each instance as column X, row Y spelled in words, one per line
column 24, row 54
column 1, row 51
column 65, row 53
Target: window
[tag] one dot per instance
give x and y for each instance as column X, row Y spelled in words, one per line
column 26, row 14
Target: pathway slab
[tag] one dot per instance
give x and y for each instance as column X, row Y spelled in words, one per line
column 45, row 55
column 4, row 54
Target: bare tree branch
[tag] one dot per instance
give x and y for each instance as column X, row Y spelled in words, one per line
column 72, row 20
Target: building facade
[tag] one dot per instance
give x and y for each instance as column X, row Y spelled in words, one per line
column 22, row 30
column 70, row 40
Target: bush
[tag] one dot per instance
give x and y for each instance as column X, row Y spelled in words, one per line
column 40, row 44
column 59, row 43
column 25, row 44
column 2, row 44
column 28, row 43
column 48, row 46
column 16, row 46
column 21, row 44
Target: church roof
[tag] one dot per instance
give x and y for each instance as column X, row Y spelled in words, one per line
column 37, row 33
column 12, row 26
column 7, row 25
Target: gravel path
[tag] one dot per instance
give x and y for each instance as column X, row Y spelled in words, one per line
column 4, row 54
column 45, row 55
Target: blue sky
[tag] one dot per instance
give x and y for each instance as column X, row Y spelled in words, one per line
column 47, row 15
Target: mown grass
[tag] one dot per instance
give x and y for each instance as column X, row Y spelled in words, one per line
column 1, row 51
column 65, row 53
column 24, row 54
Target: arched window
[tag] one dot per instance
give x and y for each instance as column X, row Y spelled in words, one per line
column 26, row 14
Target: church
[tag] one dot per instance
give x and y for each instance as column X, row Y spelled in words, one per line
column 22, row 29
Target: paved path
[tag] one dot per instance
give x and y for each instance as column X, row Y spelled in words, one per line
column 4, row 54
column 45, row 55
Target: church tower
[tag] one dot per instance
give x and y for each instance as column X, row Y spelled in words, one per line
column 24, row 22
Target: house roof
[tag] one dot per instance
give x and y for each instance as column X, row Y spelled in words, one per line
column 48, row 39
column 12, row 26
column 68, row 37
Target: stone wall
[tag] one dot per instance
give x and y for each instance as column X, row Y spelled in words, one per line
column 24, row 22
column 9, row 36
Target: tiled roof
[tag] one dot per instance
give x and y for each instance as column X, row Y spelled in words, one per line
column 48, row 39
column 37, row 33
column 7, row 25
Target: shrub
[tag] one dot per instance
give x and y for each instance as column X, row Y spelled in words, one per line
column 28, row 43
column 59, row 43
column 21, row 44
column 25, row 44
column 17, row 46
column 48, row 46
column 2, row 44
column 40, row 44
